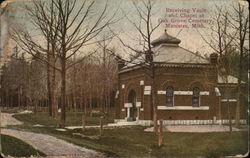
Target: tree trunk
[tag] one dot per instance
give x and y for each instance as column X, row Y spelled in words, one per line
column 153, row 103
column 53, row 93
column 160, row 136
column 103, row 99
column 63, row 93
column 49, row 84
column 85, row 104
column 7, row 99
column 154, row 111
column 90, row 102
column 242, row 32
column 68, row 103
column 19, row 98
column 81, row 98
column 108, row 110
column 74, row 102
column 237, row 110
column 228, row 107
column 35, row 106
column 11, row 100
column 74, row 87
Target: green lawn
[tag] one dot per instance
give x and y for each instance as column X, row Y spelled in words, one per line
column 73, row 119
column 15, row 147
column 133, row 141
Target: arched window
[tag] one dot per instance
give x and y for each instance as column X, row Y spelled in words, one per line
column 234, row 93
column 196, row 97
column 170, row 96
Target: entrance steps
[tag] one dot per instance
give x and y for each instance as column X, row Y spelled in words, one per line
column 124, row 123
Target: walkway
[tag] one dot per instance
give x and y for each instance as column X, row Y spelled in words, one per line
column 7, row 119
column 196, row 128
column 49, row 145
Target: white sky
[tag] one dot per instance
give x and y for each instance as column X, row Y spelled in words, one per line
column 190, row 37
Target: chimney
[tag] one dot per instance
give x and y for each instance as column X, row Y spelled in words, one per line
column 149, row 56
column 214, row 58
column 121, row 64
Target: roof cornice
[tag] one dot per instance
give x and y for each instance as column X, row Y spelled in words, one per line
column 172, row 65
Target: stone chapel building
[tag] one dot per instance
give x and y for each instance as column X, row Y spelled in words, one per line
column 189, row 89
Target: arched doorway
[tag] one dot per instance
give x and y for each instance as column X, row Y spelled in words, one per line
column 133, row 109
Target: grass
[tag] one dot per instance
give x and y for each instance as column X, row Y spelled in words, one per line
column 21, row 148
column 73, row 119
column 133, row 141
column 10, row 110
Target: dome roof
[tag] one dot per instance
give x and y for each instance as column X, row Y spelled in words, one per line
column 166, row 38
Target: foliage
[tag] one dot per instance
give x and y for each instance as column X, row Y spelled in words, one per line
column 235, row 58
column 23, row 81
column 91, row 83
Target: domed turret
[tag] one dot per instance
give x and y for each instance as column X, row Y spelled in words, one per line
column 165, row 39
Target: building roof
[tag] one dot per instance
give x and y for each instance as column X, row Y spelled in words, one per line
column 230, row 79
column 176, row 54
column 165, row 39
column 167, row 50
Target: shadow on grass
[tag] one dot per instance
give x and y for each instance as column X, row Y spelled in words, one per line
column 17, row 148
column 134, row 142
column 72, row 119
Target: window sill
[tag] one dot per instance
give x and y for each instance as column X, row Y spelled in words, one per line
column 183, row 108
column 230, row 100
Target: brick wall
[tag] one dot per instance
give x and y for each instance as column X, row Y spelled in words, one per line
column 181, row 78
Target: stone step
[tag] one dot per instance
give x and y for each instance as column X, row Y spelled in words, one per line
column 123, row 123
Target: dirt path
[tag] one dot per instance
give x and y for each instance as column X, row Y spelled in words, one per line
column 7, row 119
column 49, row 145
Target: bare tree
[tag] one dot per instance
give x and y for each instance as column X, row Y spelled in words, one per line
column 14, row 78
column 23, row 81
column 144, row 55
column 240, row 21
column 220, row 41
column 229, row 31
column 43, row 16
column 220, row 33
column 71, row 29
column 225, row 67
column 107, row 72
